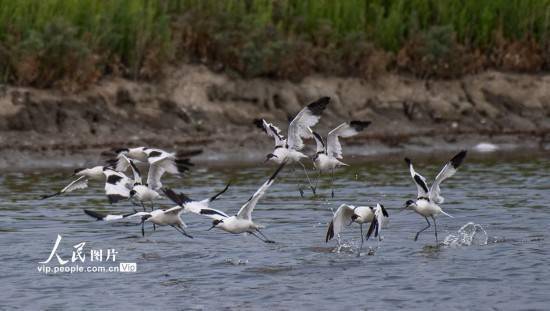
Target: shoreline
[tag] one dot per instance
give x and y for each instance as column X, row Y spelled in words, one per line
column 194, row 108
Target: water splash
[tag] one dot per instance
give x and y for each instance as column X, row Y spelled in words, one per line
column 235, row 261
column 469, row 234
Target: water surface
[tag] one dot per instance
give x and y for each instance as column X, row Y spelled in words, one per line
column 216, row 270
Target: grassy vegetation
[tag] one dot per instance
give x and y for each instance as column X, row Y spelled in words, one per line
column 70, row 43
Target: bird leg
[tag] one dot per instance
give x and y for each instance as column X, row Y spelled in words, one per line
column 435, row 229
column 317, row 180
column 142, row 228
column 254, row 234
column 416, row 237
column 362, row 240
column 332, row 183
column 307, row 176
column 299, row 185
column 152, row 208
column 143, row 205
column 267, row 240
column 182, row 231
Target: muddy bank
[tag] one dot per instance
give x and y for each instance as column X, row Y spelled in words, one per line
column 193, row 108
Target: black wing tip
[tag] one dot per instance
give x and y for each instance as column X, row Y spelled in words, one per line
column 47, row 196
column 373, row 228
column 318, row 106
column 183, row 165
column 458, row 158
column 172, row 195
column 221, row 192
column 94, row 214
column 188, row 153
column 330, row 232
column 260, row 124
column 359, row 125
column 384, row 211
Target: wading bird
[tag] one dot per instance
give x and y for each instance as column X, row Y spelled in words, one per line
column 159, row 161
column 328, row 156
column 81, row 182
column 427, row 200
column 240, row 223
column 288, row 150
column 170, row 217
column 347, row 214
column 163, row 217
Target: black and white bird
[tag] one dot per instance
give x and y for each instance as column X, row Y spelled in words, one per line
column 428, row 199
column 328, row 155
column 288, row 150
column 141, row 192
column 159, row 161
column 117, row 185
column 81, row 182
column 169, row 217
column 347, row 214
column 240, row 223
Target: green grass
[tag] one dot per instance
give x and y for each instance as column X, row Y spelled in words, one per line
column 46, row 41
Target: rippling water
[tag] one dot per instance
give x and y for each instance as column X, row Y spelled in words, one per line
column 495, row 255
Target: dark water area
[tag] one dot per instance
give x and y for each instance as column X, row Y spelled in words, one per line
column 494, row 253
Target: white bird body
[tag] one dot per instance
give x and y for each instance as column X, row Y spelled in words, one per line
column 323, row 163
column 287, row 155
column 145, row 194
column 427, row 208
column 169, row 217
column 95, row 173
column 428, row 199
column 238, row 225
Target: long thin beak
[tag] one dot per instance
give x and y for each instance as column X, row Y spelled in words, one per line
column 214, row 226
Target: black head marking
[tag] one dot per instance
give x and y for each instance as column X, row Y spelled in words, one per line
column 408, row 161
column 77, row 170
column 354, row 217
column 269, row 156
column 384, row 212
column 132, row 192
column 409, row 202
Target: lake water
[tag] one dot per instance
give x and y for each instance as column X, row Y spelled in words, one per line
column 504, row 265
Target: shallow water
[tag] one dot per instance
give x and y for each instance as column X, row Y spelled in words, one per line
column 503, row 267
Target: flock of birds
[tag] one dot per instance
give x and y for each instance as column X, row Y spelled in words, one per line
column 123, row 182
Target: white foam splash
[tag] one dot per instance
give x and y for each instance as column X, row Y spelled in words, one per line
column 469, row 234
